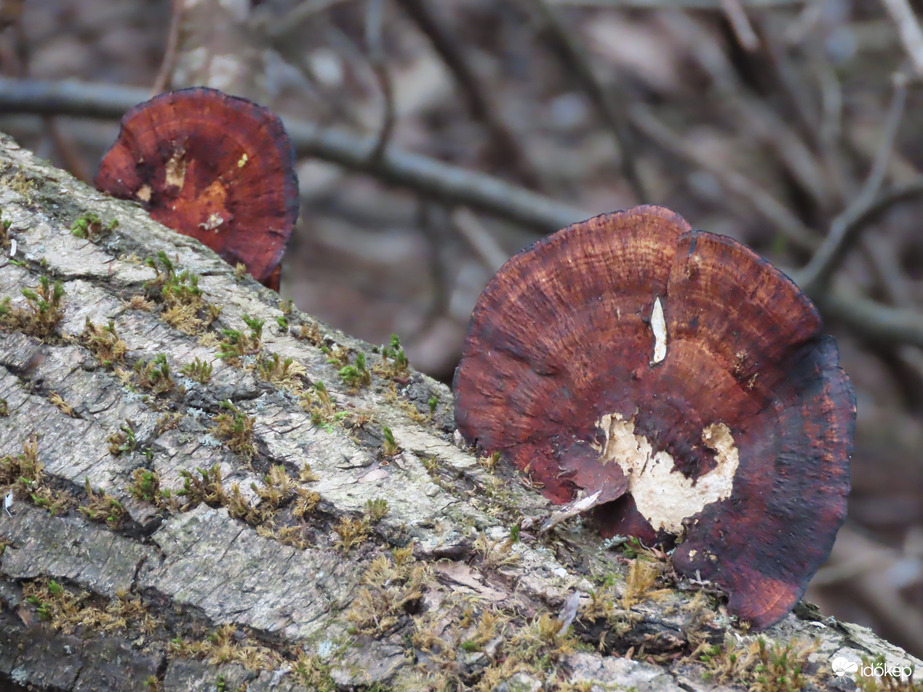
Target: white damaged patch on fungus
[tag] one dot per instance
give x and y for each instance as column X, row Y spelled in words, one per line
column 664, row 497
column 176, row 169
column 659, row 327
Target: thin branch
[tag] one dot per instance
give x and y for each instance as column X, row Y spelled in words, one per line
column 909, row 30
column 485, row 246
column 871, row 319
column 604, row 98
column 733, row 181
column 676, row 4
column 443, row 181
column 846, row 227
column 505, row 147
column 449, row 184
column 165, row 73
column 374, row 44
column 737, row 18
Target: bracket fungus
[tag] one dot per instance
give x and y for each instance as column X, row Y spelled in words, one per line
column 215, row 167
column 682, row 378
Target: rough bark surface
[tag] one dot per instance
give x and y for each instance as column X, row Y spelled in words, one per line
column 267, row 577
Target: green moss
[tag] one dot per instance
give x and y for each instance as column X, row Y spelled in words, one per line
column 198, row 370
column 389, row 447
column 236, row 429
column 88, row 227
column 102, row 507
column 394, row 361
column 123, row 441
column 155, row 375
column 375, row 510
column 44, row 310
column 104, row 343
column 23, row 474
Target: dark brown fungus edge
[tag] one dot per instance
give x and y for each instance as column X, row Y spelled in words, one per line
column 215, row 167
column 682, row 377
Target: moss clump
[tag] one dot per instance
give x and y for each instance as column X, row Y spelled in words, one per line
column 185, row 307
column 145, row 486
column 22, row 474
column 357, row 375
column 68, row 611
column 205, row 485
column 640, row 582
column 237, row 344
column 311, row 672
column 317, row 402
column 198, row 370
column 389, row 446
column 351, row 533
column 4, row 408
column 64, row 407
column 394, row 363
column 4, row 231
column 225, row 645
column 102, row 507
column 392, row 588
column 761, row 667
column 123, row 441
column 311, row 334
column 236, row 429
column 155, row 375
column 43, row 312
column 375, row 510
column 104, row 343
column 305, row 503
column 282, row 372
column 89, row 227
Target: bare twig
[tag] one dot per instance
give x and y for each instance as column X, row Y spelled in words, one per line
column 376, row 52
column 845, row 229
column 871, row 319
column 737, row 18
column 677, row 4
column 485, row 246
column 505, row 147
column 441, row 271
column 165, row 73
column 909, row 29
column 447, row 183
column 604, row 98
column 733, row 181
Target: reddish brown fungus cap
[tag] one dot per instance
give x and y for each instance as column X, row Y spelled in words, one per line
column 215, row 167
column 683, row 378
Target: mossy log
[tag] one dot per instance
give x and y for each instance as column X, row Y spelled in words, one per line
column 301, row 516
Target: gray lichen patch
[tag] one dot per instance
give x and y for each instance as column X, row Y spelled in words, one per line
column 235, row 576
column 663, row 497
column 67, row 548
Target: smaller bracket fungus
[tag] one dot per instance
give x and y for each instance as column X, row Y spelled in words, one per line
column 215, row 167
column 684, row 380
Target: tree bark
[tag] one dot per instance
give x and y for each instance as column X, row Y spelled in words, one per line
column 242, row 567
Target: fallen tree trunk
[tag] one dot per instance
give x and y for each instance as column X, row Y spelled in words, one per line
column 297, row 513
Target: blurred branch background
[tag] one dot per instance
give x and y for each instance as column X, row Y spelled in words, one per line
column 436, row 139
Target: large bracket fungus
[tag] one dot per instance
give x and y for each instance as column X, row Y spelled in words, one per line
column 215, row 167
column 685, row 380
